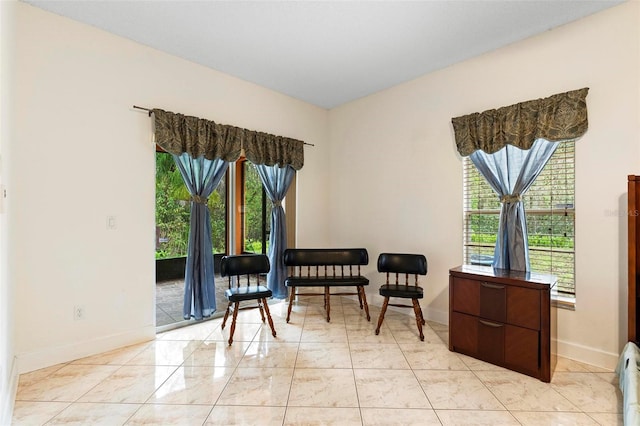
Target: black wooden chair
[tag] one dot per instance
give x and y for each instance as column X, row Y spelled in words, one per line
column 249, row 266
column 402, row 264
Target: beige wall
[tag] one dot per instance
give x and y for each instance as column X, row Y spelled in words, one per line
column 8, row 371
column 396, row 151
column 82, row 153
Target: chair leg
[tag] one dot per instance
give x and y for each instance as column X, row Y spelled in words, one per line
column 292, row 295
column 418, row 312
column 266, row 308
column 382, row 312
column 226, row 315
column 327, row 303
column 261, row 310
column 363, row 301
column 233, row 322
column 421, row 314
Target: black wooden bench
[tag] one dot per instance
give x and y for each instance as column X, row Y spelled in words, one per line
column 326, row 268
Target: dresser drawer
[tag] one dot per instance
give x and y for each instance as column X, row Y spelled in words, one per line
column 522, row 349
column 466, row 296
column 493, row 301
column 523, row 307
column 465, row 337
column 491, row 336
column 480, row 298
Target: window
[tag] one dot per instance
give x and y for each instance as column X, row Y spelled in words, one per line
column 549, row 205
column 173, row 210
column 254, row 210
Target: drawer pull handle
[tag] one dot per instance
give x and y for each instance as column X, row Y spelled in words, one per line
column 494, row 286
column 491, row 324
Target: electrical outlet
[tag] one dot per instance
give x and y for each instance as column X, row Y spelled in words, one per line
column 78, row 313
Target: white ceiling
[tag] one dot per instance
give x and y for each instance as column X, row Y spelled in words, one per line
column 325, row 52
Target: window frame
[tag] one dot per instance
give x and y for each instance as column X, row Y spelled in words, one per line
column 237, row 218
column 159, row 149
column 240, row 209
column 562, row 165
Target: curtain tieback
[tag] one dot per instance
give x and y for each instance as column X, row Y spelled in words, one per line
column 199, row 200
column 277, row 203
column 510, row 198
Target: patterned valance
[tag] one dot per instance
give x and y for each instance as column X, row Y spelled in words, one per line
column 556, row 118
column 262, row 148
column 177, row 133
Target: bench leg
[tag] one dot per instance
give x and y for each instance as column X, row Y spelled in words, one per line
column 266, row 308
column 363, row 301
column 226, row 315
column 382, row 312
column 292, row 296
column 418, row 312
column 327, row 303
column 233, row 322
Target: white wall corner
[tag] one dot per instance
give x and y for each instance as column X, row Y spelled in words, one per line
column 30, row 361
column 8, row 398
column 436, row 315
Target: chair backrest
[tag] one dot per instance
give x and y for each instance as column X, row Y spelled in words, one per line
column 402, row 263
column 244, row 264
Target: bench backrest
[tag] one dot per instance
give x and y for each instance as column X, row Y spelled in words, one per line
column 320, row 257
column 325, row 262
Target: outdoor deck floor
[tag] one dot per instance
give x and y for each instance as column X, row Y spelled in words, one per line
column 170, row 297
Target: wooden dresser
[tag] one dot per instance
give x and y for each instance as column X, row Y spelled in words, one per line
column 503, row 317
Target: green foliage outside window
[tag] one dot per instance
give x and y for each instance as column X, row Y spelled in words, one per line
column 173, row 210
column 253, row 220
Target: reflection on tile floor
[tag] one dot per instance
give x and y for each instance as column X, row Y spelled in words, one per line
column 311, row 373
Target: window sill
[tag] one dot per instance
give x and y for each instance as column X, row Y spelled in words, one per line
column 563, row 302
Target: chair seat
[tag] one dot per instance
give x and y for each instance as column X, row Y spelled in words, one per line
column 247, row 293
column 401, row 290
column 326, row 282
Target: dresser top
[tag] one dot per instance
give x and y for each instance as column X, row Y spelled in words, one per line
column 488, row 271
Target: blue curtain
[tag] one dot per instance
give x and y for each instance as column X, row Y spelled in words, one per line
column 276, row 181
column 201, row 176
column 510, row 172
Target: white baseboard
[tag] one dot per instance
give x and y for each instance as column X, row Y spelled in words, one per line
column 8, row 399
column 588, row 355
column 574, row 351
column 30, row 361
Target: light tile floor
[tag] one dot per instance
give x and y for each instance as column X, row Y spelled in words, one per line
column 311, row 373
